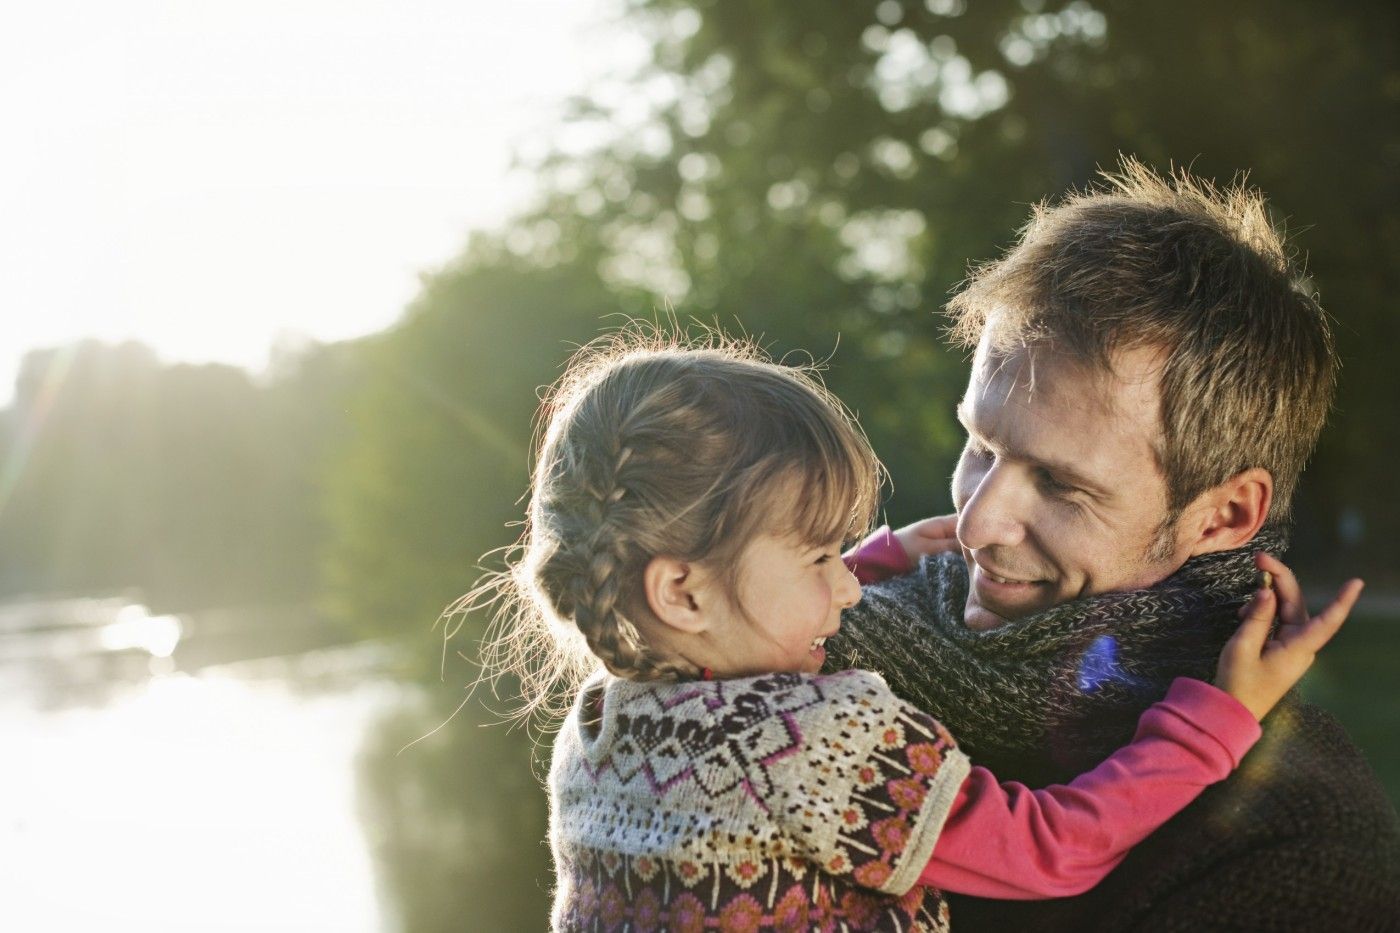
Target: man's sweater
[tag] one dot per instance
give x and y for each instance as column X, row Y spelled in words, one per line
column 1301, row 837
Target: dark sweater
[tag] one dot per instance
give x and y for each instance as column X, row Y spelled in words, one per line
column 1301, row 837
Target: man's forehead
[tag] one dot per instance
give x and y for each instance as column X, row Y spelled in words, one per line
column 1128, row 386
column 1042, row 406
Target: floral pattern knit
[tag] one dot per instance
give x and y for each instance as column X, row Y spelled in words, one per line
column 778, row 802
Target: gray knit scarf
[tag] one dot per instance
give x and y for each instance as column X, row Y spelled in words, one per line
column 1047, row 696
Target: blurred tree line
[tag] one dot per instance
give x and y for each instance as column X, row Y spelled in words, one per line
column 191, row 485
column 818, row 175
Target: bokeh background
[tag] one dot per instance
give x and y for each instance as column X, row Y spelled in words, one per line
column 281, row 282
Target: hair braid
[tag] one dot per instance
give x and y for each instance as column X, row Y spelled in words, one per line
column 595, row 594
column 654, row 445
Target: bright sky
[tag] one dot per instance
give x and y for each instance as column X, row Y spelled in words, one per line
column 203, row 176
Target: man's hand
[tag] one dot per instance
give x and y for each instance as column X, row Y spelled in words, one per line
column 1257, row 669
column 929, row 536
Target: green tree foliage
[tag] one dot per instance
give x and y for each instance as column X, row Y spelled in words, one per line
column 188, row 484
column 433, row 476
column 816, row 175
column 832, row 167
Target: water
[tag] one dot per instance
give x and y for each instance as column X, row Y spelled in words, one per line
column 247, row 771
column 143, row 791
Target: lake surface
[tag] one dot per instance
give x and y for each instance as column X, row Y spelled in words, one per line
column 144, row 793
column 249, row 770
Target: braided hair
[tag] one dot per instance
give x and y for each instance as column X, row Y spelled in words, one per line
column 653, row 446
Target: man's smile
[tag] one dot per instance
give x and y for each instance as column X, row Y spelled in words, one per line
column 993, row 571
column 1003, row 578
column 998, row 597
column 1003, row 587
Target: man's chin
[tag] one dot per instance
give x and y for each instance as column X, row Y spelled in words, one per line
column 1012, row 600
column 978, row 618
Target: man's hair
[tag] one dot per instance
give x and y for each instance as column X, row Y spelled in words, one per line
column 1196, row 272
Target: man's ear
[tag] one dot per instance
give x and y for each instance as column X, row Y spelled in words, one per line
column 1231, row 514
column 675, row 594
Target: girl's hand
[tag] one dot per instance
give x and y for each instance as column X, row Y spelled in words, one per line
column 1257, row 669
column 929, row 536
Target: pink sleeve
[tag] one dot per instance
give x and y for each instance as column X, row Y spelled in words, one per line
column 879, row 557
column 1005, row 840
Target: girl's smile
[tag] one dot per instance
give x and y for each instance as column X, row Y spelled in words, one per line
column 789, row 601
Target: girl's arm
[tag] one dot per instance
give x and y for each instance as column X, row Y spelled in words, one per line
column 1008, row 841
column 885, row 553
column 1004, row 840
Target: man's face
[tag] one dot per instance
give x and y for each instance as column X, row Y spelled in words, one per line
column 1059, row 492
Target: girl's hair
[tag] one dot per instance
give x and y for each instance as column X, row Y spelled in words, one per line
column 651, row 445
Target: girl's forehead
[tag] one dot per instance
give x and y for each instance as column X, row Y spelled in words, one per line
column 808, row 509
column 768, row 548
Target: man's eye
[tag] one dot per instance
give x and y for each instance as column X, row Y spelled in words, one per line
column 1052, row 486
column 976, row 450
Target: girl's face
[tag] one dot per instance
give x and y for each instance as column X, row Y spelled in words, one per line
column 789, row 600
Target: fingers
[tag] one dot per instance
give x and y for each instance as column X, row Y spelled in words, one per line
column 1325, row 624
column 939, row 528
column 1257, row 617
column 1292, row 608
column 928, row 536
column 1296, row 628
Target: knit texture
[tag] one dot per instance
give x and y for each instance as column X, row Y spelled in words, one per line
column 1069, row 682
column 785, row 801
column 1301, row 837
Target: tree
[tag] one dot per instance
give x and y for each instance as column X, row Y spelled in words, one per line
column 438, row 458
column 832, row 168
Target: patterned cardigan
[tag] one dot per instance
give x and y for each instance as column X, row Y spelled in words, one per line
column 782, row 802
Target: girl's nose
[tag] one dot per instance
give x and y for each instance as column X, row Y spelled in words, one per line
column 847, row 589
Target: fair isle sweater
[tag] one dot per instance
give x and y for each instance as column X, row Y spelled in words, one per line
column 797, row 802
column 786, row 801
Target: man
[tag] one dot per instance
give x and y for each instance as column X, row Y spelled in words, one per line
column 1149, row 378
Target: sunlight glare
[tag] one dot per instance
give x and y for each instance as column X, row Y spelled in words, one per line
column 201, row 803
column 137, row 628
column 203, row 178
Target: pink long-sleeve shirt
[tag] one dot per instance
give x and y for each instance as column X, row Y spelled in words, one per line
column 1005, row 840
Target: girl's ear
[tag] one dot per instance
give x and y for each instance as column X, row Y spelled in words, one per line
column 674, row 591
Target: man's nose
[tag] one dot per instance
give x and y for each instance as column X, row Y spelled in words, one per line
column 993, row 514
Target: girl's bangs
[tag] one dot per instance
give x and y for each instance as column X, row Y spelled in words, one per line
column 832, row 499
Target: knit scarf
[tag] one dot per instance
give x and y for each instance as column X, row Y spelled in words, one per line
column 1047, row 696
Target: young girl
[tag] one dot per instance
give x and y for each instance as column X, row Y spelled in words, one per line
column 686, row 520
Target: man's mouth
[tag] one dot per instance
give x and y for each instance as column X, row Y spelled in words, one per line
column 986, row 574
column 998, row 597
column 1008, row 597
column 1001, row 579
